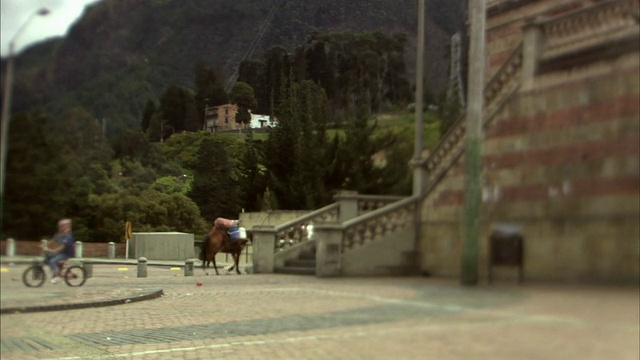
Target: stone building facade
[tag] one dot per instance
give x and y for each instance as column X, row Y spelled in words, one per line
column 221, row 118
column 560, row 149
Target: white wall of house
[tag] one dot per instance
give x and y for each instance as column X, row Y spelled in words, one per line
column 260, row 121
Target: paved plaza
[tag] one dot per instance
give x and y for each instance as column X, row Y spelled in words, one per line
column 258, row 316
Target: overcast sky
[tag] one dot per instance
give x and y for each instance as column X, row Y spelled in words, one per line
column 15, row 13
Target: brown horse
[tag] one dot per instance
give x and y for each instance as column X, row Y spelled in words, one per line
column 217, row 241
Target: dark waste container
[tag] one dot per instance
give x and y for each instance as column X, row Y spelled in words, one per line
column 506, row 248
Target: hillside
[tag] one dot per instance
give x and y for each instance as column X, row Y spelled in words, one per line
column 122, row 53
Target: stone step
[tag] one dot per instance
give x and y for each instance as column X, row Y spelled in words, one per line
column 301, row 263
column 294, row 270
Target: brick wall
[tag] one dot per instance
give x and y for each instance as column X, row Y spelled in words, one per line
column 561, row 159
column 93, row 250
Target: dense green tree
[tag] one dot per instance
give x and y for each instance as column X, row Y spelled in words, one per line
column 253, row 73
column 178, row 108
column 37, row 188
column 243, row 96
column 253, row 179
column 215, row 186
column 149, row 210
column 82, row 140
column 132, row 144
column 209, row 89
column 356, row 167
column 149, row 109
column 295, row 155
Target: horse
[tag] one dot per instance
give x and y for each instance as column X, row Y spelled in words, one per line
column 219, row 240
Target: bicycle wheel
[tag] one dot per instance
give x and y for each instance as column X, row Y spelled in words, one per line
column 75, row 275
column 34, row 276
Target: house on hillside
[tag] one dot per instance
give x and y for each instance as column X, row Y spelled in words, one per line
column 259, row 121
column 221, row 118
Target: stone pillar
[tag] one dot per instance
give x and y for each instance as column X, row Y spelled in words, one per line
column 348, row 202
column 188, row 267
column 329, row 249
column 88, row 268
column 44, row 243
column 532, row 46
column 264, row 243
column 78, row 249
column 142, row 267
column 11, row 247
column 112, row 250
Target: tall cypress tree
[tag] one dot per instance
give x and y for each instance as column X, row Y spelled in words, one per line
column 215, row 186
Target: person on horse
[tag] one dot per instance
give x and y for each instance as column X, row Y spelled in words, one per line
column 229, row 226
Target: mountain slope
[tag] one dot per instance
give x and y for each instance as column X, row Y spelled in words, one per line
column 122, row 53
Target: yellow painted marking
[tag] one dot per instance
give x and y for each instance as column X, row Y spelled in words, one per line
column 4, row 269
column 175, row 268
column 123, row 269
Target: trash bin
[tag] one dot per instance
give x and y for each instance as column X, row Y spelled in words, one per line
column 506, row 248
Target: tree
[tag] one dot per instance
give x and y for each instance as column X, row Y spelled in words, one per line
column 149, row 109
column 215, row 185
column 178, row 108
column 242, row 95
column 253, row 73
column 295, row 156
column 253, row 178
column 37, row 191
column 209, row 90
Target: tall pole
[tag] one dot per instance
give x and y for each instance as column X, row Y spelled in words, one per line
column 6, row 111
column 419, row 126
column 473, row 155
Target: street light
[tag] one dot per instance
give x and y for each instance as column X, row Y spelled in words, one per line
column 6, row 108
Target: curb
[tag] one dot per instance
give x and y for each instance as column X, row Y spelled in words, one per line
column 41, row 308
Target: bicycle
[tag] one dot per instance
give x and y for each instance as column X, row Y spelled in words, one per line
column 35, row 276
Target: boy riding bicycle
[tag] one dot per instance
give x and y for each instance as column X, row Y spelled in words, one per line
column 64, row 249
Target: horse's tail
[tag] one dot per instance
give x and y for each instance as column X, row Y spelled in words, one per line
column 203, row 247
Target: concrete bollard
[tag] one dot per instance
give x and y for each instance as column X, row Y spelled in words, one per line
column 78, row 249
column 142, row 267
column 88, row 268
column 112, row 250
column 188, row 267
column 11, row 247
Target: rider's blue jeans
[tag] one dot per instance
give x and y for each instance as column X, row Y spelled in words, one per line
column 54, row 259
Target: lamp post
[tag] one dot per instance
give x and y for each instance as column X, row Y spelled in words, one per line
column 473, row 147
column 6, row 109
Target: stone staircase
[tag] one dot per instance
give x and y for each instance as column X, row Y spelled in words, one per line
column 303, row 264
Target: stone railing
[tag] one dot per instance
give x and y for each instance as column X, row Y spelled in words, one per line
column 377, row 224
column 295, row 231
column 368, row 203
column 544, row 41
column 348, row 204
column 504, row 83
column 290, row 236
column 600, row 24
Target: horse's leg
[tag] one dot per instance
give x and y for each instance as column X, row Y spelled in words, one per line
column 214, row 264
column 236, row 260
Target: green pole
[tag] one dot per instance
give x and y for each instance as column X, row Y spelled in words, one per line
column 473, row 150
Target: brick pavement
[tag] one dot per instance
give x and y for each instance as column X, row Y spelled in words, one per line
column 298, row 317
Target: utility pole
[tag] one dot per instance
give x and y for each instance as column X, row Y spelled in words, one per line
column 473, row 150
column 419, row 126
column 6, row 111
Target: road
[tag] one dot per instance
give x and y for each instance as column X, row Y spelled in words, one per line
column 265, row 316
